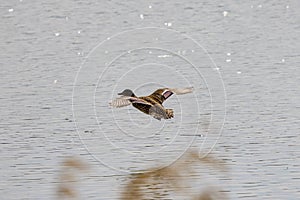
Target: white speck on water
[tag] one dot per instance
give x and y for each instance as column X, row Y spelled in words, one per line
column 128, row 51
column 228, row 54
column 259, row 6
column 21, row 0
column 164, row 56
column 168, row 24
column 150, row 52
column 193, row 50
column 228, row 60
column 283, row 60
column 156, row 38
column 79, row 31
column 252, row 6
column 238, row 72
column 67, row 18
column 108, row 38
column 287, row 7
column 106, row 51
column 217, row 68
column 55, row 81
column 11, row 10
column 150, row 6
column 141, row 16
column 183, row 52
column 57, row 34
column 225, row 13
column 78, row 53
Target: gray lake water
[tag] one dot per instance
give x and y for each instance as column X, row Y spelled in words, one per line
column 63, row 61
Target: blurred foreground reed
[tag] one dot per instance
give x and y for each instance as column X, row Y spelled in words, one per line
column 177, row 180
column 68, row 178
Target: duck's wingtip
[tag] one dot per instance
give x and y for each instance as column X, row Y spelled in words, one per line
column 191, row 88
column 120, row 102
column 179, row 91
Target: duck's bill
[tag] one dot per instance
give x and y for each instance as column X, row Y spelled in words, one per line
column 180, row 91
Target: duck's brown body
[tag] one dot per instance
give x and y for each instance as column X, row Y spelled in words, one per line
column 155, row 107
column 152, row 104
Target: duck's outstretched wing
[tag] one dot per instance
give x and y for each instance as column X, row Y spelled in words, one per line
column 167, row 92
column 120, row 102
column 180, row 91
column 125, row 101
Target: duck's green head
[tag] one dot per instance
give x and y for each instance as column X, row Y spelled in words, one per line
column 127, row 93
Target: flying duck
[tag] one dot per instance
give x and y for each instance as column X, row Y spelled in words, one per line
column 152, row 104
